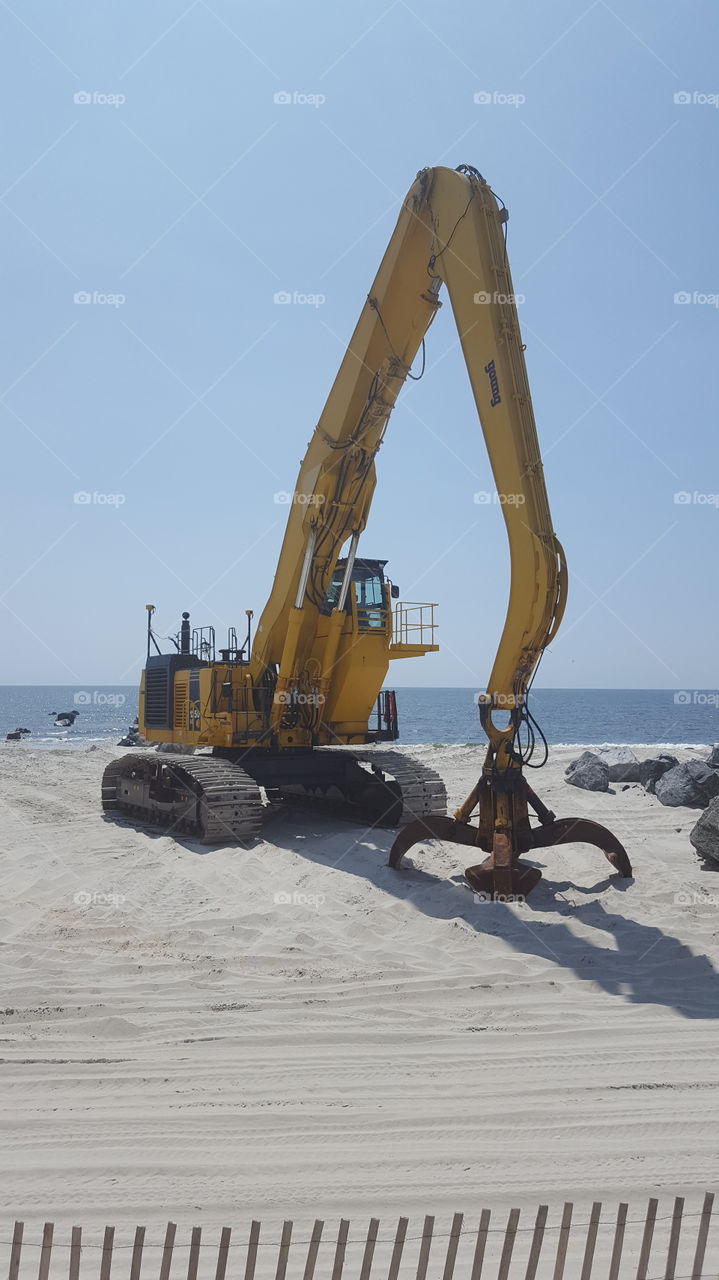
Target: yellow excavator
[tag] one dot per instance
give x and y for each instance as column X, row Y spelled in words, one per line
column 299, row 711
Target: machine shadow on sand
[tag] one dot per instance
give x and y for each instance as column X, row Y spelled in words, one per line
column 648, row 965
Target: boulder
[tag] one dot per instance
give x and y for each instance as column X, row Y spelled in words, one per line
column 692, row 784
column 623, row 764
column 704, row 835
column 650, row 771
column 713, row 757
column 589, row 772
column 175, row 749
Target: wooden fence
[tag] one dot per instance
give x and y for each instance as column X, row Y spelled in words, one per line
column 654, row 1243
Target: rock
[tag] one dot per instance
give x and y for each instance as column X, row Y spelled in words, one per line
column 704, row 835
column 693, row 784
column 589, row 772
column 651, row 770
column 175, row 749
column 623, row 763
column 713, row 757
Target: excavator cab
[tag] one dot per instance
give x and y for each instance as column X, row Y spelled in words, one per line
column 367, row 593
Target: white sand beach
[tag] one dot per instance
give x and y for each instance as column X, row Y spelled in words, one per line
column 177, row 1044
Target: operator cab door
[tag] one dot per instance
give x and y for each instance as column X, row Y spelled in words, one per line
column 366, row 600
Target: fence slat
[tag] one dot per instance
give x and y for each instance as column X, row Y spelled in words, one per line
column 137, row 1247
column 398, row 1246
column 481, row 1244
column 704, row 1224
column 563, row 1241
column 194, row 1258
column 618, row 1242
column 367, row 1256
column 75, row 1252
column 315, row 1239
column 670, row 1272
column 508, row 1247
column 647, row 1239
column 340, row 1248
column 253, row 1242
column 591, row 1244
column 222, row 1252
column 425, row 1247
column 16, row 1250
column 536, row 1246
column 284, row 1251
column 623, row 1253
column 455, row 1232
column 107, row 1244
column 167, row 1250
column 45, row 1251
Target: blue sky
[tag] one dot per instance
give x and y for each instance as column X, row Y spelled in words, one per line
column 198, row 197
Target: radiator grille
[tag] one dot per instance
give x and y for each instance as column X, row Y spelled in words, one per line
column 156, row 706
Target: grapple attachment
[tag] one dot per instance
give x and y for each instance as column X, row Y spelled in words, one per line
column 502, row 874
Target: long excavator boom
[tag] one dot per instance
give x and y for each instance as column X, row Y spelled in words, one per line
column 451, row 232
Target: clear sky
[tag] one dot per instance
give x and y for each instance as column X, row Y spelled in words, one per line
column 184, row 188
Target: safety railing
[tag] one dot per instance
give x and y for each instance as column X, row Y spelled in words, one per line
column 414, row 623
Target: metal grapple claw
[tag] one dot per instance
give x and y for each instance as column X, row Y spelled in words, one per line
column 502, row 874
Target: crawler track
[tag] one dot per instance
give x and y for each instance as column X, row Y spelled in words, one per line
column 216, row 800
column 421, row 789
column 211, row 800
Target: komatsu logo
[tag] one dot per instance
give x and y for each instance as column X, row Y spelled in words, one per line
column 491, row 372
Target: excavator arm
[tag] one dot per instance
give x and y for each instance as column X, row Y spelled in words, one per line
column 450, row 233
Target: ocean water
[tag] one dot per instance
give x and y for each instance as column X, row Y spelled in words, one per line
column 650, row 716
column 638, row 716
column 105, row 713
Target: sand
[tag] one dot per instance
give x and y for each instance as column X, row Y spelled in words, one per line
column 177, row 1043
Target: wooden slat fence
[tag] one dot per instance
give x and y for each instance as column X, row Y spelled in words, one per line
column 674, row 1242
